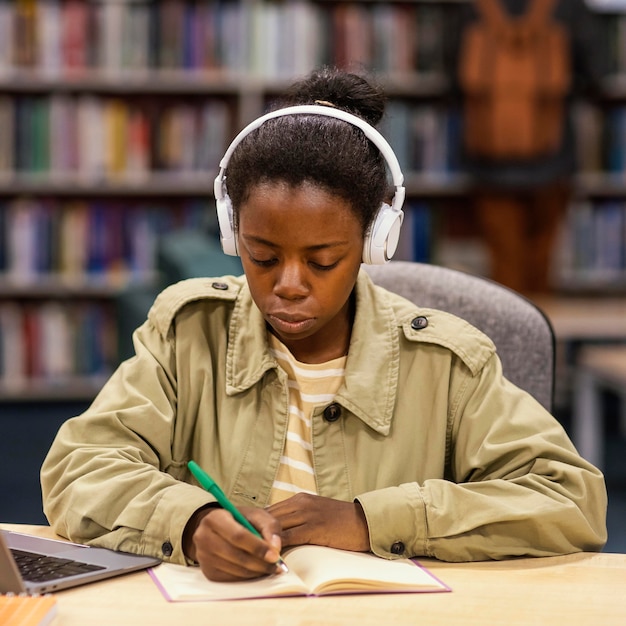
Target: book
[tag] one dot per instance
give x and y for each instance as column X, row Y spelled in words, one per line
column 23, row 610
column 49, row 38
column 13, row 349
column 7, row 35
column 7, row 123
column 74, row 33
column 313, row 571
column 25, row 33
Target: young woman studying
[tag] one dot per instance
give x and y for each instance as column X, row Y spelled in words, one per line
column 329, row 410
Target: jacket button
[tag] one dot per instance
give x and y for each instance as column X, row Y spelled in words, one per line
column 397, row 548
column 220, row 286
column 332, row 412
column 167, row 548
column 418, row 323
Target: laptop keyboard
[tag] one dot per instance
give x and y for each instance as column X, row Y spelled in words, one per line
column 40, row 568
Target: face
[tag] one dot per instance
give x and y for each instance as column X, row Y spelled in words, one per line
column 301, row 250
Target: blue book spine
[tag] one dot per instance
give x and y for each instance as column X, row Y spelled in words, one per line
column 422, row 235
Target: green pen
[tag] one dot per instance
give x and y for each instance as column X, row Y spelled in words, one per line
column 213, row 488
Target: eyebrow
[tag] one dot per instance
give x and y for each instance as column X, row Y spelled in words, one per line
column 319, row 246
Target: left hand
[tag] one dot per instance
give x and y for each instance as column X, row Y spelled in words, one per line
column 322, row 521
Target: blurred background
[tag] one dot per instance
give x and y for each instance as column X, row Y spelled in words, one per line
column 113, row 118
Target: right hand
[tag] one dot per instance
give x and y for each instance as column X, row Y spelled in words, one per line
column 226, row 551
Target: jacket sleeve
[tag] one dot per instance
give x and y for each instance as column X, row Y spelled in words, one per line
column 109, row 478
column 515, row 485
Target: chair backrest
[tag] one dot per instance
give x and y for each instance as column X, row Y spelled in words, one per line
column 521, row 332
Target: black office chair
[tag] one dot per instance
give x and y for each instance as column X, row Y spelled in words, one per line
column 521, row 332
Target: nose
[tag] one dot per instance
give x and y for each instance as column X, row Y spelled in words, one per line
column 291, row 282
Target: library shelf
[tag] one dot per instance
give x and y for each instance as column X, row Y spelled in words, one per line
column 68, row 389
column 125, row 80
column 150, row 185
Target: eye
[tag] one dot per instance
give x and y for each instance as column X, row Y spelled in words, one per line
column 263, row 262
column 324, row 268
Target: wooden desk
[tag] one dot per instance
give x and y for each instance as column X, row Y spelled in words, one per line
column 585, row 319
column 577, row 590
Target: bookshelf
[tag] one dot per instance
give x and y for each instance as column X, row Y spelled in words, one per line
column 117, row 113
column 592, row 255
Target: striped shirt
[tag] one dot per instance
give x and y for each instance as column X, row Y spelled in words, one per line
column 309, row 386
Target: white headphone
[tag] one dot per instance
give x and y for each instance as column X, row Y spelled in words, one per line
column 382, row 239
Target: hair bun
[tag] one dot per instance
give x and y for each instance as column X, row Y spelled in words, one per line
column 341, row 89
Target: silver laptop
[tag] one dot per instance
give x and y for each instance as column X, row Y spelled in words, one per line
column 39, row 565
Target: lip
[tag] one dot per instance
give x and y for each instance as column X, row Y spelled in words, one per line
column 289, row 324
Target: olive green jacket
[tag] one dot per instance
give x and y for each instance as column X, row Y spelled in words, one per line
column 447, row 458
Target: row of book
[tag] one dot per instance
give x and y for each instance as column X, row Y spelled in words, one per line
column 107, row 138
column 593, row 246
column 616, row 41
column 417, row 233
column 591, row 249
column 100, row 138
column 114, row 242
column 60, row 37
column 117, row 242
column 601, row 137
column 425, row 138
column 613, row 141
column 54, row 342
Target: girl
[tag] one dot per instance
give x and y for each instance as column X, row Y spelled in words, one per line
column 330, row 411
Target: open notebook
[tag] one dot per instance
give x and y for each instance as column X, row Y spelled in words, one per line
column 313, row 571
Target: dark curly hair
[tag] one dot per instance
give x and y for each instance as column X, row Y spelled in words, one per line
column 321, row 150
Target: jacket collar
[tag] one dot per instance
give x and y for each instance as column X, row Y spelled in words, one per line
column 371, row 376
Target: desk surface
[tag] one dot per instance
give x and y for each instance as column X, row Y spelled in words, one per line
column 607, row 362
column 580, row 589
column 585, row 318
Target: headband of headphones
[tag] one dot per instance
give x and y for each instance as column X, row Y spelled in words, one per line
column 382, row 240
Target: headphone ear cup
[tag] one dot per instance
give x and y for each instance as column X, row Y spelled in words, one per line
column 228, row 237
column 382, row 240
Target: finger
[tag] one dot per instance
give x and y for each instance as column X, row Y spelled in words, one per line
column 295, row 511
column 232, row 564
column 295, row 529
column 224, row 561
column 226, row 571
column 233, row 533
column 270, row 529
column 222, row 544
column 276, row 545
column 292, row 504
